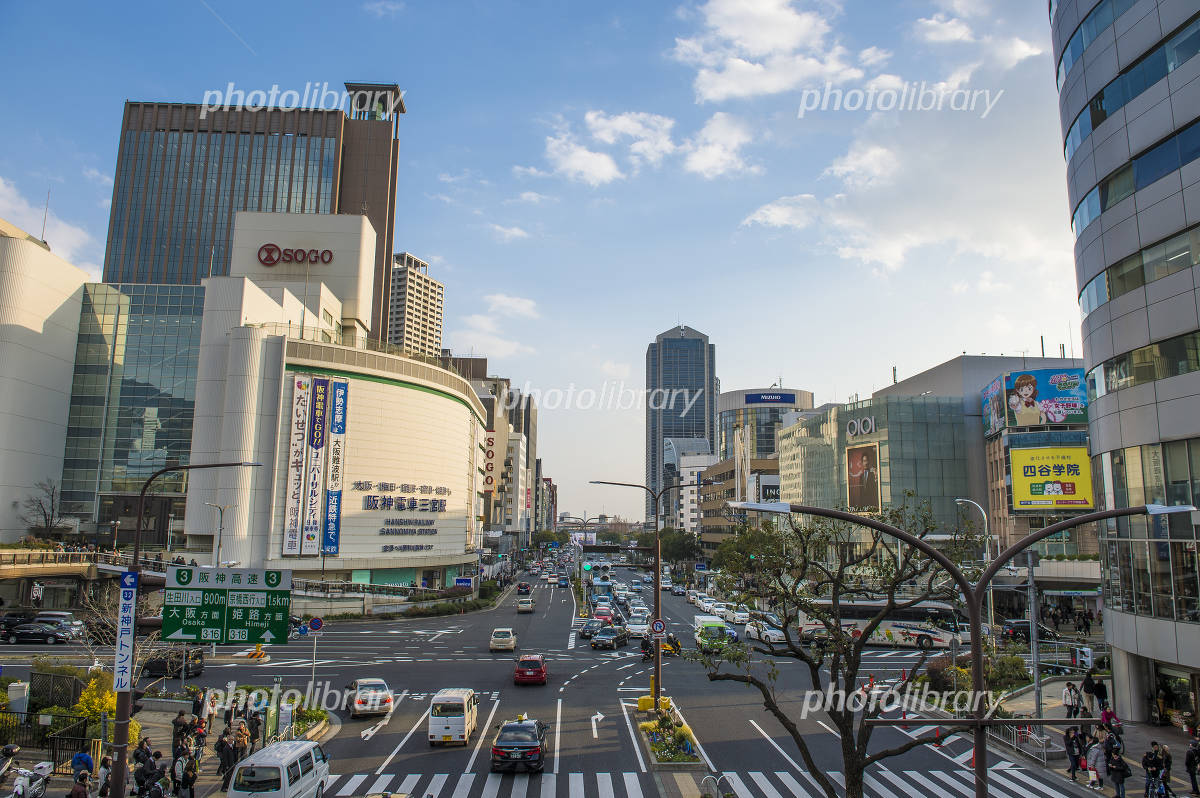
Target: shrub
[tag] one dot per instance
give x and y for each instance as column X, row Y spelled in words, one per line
column 1007, row 672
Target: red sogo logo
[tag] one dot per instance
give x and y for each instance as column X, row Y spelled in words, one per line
column 271, row 254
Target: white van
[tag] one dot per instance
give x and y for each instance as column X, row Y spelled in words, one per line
column 289, row 769
column 453, row 716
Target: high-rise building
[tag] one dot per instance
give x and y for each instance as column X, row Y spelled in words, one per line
column 184, row 170
column 758, row 412
column 415, row 310
column 681, row 397
column 1129, row 100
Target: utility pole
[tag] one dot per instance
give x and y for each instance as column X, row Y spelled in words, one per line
column 1033, row 635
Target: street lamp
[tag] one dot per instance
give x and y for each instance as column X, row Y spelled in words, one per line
column 987, row 559
column 973, row 595
column 120, row 768
column 220, row 508
column 657, row 575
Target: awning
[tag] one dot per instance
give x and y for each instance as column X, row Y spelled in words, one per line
column 1093, row 592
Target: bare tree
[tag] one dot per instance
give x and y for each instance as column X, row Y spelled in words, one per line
column 39, row 510
column 99, row 612
column 812, row 568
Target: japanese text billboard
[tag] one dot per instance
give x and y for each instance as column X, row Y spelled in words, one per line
column 339, row 396
column 1045, row 396
column 314, row 490
column 297, row 443
column 1058, row 476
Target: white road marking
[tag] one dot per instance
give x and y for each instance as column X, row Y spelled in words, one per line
column 409, row 784
column 899, row 782
column 380, row 784
column 637, row 748
column 953, row 783
column 434, row 788
column 464, row 784
column 549, row 784
column 764, row 785
column 491, row 787
column 633, row 787
column 396, row 750
column 557, row 726
column 604, row 785
column 737, row 785
column 575, row 784
column 482, row 735
column 775, row 745
column 792, row 785
column 520, row 786
column 351, row 784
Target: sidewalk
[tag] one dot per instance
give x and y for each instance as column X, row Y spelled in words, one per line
column 1136, row 736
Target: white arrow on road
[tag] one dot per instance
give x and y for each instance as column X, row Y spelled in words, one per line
column 595, row 734
column 267, row 636
column 179, row 635
column 367, row 734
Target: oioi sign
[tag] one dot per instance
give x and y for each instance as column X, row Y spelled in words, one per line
column 231, row 605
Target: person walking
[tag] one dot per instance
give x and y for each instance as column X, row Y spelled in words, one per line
column 187, row 780
column 254, row 727
column 179, row 729
column 1097, row 764
column 227, row 755
column 1088, row 687
column 102, row 777
column 80, row 788
column 1101, row 690
column 1167, row 762
column 82, row 762
column 1191, row 763
column 1073, row 745
column 1071, row 700
column 1152, row 764
column 1118, row 771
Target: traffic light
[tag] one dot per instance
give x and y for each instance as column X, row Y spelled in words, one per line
column 587, row 566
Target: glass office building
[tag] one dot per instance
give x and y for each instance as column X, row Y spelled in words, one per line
column 132, row 402
column 759, row 412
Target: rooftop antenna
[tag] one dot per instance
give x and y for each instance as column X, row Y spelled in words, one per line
column 45, row 213
column 1071, row 338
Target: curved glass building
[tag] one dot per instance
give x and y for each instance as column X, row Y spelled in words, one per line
column 1129, row 103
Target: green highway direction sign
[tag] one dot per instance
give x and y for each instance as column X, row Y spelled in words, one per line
column 227, row 606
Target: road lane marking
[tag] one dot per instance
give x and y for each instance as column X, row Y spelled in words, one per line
column 996, row 778
column 895, row 779
column 380, row 784
column 735, row 783
column 351, row 784
column 765, row 785
column 633, row 787
column 920, row 779
column 367, row 734
column 699, row 748
column 491, row 787
column 793, row 786
column 409, row 784
column 520, row 786
column 1016, row 774
column 604, row 785
column 829, row 729
column 637, row 749
column 575, row 784
column 775, row 745
column 953, row 783
column 464, row 784
column 482, row 734
column 396, row 750
column 557, row 726
column 434, row 788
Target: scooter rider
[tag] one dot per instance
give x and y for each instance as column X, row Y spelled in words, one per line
column 647, row 650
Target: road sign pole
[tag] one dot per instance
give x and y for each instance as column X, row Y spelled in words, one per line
column 312, row 679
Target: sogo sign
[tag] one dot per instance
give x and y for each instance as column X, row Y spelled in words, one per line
column 489, row 467
column 271, row 254
column 860, row 426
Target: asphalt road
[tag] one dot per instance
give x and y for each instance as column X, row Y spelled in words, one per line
column 740, row 739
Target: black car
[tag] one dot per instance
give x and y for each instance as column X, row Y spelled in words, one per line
column 678, row 590
column 169, row 662
column 523, row 589
column 520, row 745
column 37, row 633
column 1017, row 629
column 11, row 619
column 610, row 637
column 590, row 627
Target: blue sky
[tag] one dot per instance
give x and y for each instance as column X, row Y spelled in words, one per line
column 584, row 176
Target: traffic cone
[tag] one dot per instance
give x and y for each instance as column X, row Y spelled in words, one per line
column 903, row 675
column 904, row 716
column 937, row 738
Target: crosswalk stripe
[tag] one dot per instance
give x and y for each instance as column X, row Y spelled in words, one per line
column 464, row 784
column 920, row 779
column 1017, row 774
column 764, row 785
column 575, row 784
column 953, row 783
column 792, row 785
column 899, row 782
column 737, row 785
column 491, row 787
column 409, row 784
column 381, row 783
column 994, row 777
column 964, row 757
column 921, row 731
column 836, row 776
column 633, row 787
column 604, row 785
column 434, row 788
column 351, row 783
column 520, row 786
column 549, row 785
column 815, row 783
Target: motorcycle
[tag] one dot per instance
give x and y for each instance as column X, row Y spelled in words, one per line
column 294, row 624
column 9, row 754
column 671, row 647
column 32, row 783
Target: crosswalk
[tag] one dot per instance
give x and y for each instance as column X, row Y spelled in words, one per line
column 1005, row 782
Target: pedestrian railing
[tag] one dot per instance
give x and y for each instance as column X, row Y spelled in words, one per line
column 1025, row 739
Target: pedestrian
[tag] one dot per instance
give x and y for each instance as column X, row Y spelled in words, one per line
column 1152, row 763
column 241, row 741
column 199, row 737
column 80, row 788
column 227, row 755
column 228, row 716
column 82, row 762
column 103, row 776
column 1073, row 745
column 1071, row 700
column 1110, row 721
column 255, row 726
column 1088, row 687
column 1087, row 628
column 1097, row 765
column 1118, row 771
column 1191, row 763
column 1101, row 690
column 179, row 727
column 177, row 771
column 187, row 781
column 1167, row 761
column 142, row 753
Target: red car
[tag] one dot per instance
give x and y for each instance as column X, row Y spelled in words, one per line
column 523, row 589
column 531, row 669
column 603, row 613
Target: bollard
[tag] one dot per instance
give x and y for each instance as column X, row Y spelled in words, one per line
column 904, row 716
column 937, row 738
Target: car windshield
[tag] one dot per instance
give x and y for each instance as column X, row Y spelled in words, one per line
column 607, row 631
column 444, row 710
column 371, row 687
column 529, row 663
column 517, row 733
column 256, row 779
column 501, row 634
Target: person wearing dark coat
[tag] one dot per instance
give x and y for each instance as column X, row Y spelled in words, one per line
column 1073, row 745
column 1101, row 694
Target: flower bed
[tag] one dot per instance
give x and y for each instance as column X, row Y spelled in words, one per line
column 670, row 743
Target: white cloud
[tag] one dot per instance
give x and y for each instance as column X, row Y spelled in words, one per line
column 446, row 177
column 864, row 166
column 508, row 305
column 965, row 8
column 715, row 150
column 66, row 240
column 575, row 162
column 756, row 47
column 619, row 371
column 797, row 212
column 531, row 197
column 383, row 8
column 529, row 171
column 1010, row 52
column 507, row 234
column 874, row 56
column 481, row 334
column 941, row 29
column 651, row 134
column 96, row 176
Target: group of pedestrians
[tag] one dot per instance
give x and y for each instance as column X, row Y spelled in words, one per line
column 237, row 740
column 82, row 769
column 1081, row 619
column 1101, row 755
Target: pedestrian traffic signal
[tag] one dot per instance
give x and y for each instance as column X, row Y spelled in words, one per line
column 587, row 566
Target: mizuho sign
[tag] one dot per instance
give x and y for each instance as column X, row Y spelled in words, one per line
column 860, row 426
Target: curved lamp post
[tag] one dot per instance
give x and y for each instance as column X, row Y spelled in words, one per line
column 657, row 574
column 120, row 745
column 987, row 556
column 972, row 595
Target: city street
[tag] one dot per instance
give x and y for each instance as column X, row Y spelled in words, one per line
column 740, row 740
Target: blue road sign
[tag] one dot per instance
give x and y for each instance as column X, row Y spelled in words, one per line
column 701, row 566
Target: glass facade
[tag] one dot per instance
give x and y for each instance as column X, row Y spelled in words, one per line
column 132, row 398
column 1179, row 252
column 177, row 191
column 922, row 448
column 1149, row 564
column 760, row 424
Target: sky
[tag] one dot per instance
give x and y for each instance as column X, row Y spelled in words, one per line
column 827, row 188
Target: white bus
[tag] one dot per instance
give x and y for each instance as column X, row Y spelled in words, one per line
column 929, row 624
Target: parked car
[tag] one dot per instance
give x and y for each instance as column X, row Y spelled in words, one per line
column 531, row 669
column 520, row 745
column 169, row 662
column 691, row 596
column 38, row 633
column 610, row 637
